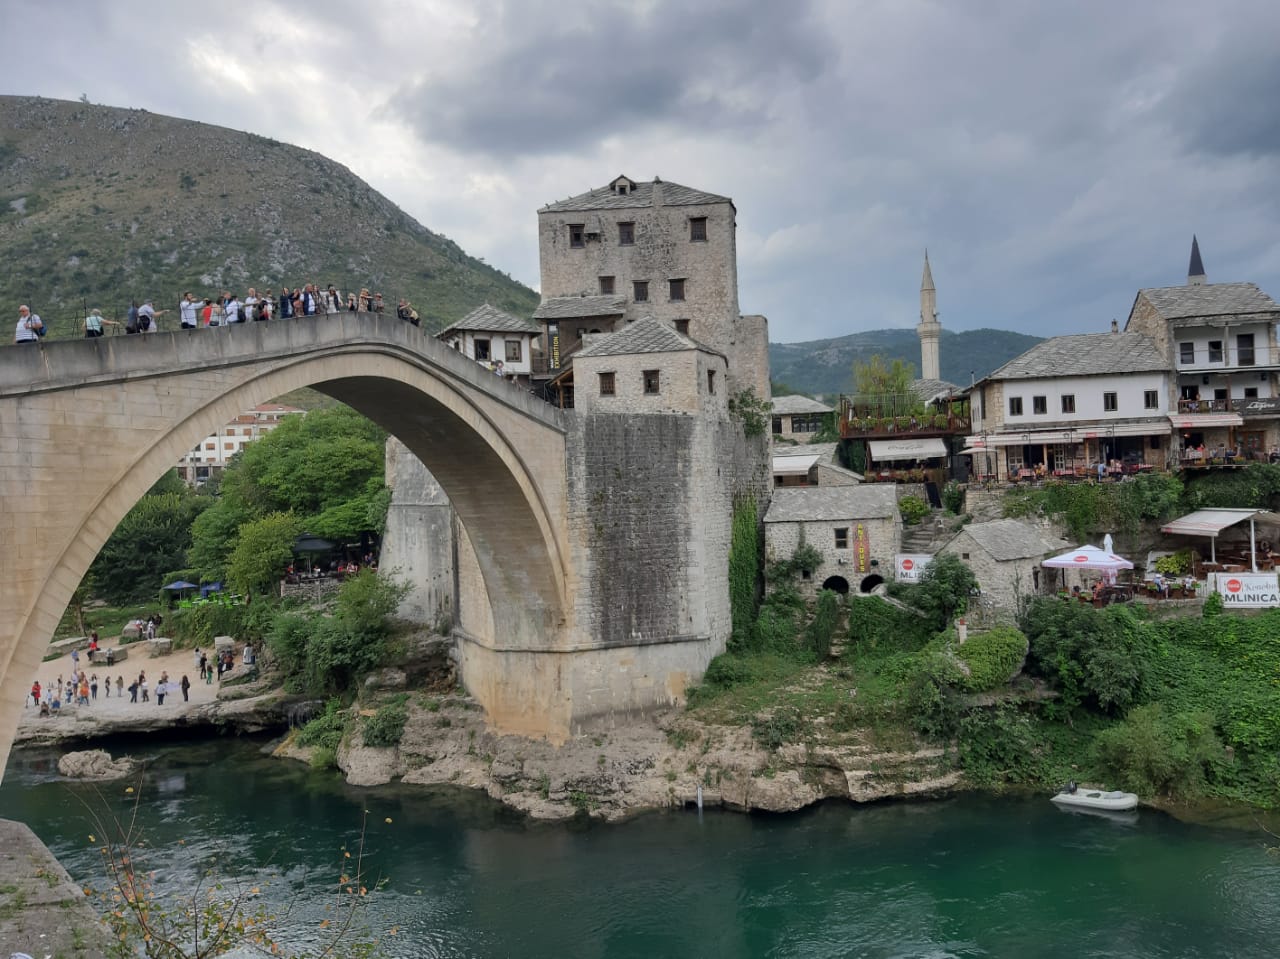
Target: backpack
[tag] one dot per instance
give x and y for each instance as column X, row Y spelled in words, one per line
column 131, row 326
column 42, row 329
column 240, row 313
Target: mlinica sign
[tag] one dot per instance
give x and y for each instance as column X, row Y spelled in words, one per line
column 909, row 566
column 1248, row 590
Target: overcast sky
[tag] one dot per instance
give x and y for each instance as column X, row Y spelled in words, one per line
column 1053, row 157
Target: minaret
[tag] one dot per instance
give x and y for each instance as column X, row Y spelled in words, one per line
column 929, row 327
column 1195, row 271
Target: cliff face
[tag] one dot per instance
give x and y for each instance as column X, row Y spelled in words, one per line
column 100, row 205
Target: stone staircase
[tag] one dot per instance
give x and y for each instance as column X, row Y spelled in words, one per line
column 932, row 532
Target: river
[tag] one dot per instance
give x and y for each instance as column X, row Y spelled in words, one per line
column 962, row 877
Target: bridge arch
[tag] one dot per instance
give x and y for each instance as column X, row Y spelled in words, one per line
column 99, row 421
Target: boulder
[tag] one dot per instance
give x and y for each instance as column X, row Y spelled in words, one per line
column 159, row 647
column 388, row 678
column 95, row 764
column 222, row 644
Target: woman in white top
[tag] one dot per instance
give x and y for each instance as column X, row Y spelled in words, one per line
column 93, row 323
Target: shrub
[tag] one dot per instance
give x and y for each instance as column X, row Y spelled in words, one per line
column 823, row 626
column 944, row 589
column 386, row 727
column 993, row 658
column 327, row 729
column 775, row 629
column 1154, row 753
column 913, row 510
column 953, row 498
column 1099, row 657
column 1213, row 605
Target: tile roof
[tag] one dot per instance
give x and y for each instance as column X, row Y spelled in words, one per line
column 785, row 405
column 1006, row 539
column 930, row 390
column 490, row 319
column 824, row 503
column 1211, row 299
column 825, row 451
column 645, row 335
column 572, row 307
column 604, row 198
column 1085, row 354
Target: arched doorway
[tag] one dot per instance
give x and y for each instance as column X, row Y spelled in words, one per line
column 870, row 583
column 837, row 584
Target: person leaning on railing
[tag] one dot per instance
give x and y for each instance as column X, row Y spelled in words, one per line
column 29, row 326
column 93, row 324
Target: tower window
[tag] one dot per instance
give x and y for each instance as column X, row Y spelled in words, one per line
column 606, row 285
column 682, row 327
column 606, row 384
column 577, row 235
column 697, row 229
column 626, row 234
column 640, row 289
column 677, row 289
column 711, row 382
column 652, row 382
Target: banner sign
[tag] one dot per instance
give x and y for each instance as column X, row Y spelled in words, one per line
column 1256, row 406
column 1247, row 590
column 861, row 550
column 909, row 566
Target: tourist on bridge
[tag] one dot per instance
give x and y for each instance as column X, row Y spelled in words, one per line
column 29, row 326
column 93, row 323
column 147, row 318
column 187, row 310
column 286, row 304
column 309, row 301
column 234, row 310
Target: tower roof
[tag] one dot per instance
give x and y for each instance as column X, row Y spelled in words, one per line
column 926, row 282
column 1196, row 267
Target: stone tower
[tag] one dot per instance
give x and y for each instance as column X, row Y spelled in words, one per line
column 929, row 328
column 1195, row 270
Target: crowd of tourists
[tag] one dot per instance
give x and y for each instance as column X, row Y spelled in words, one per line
column 227, row 308
column 81, row 690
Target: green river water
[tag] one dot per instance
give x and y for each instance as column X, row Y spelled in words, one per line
column 961, row 877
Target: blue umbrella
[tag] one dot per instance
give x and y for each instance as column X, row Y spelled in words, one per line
column 181, row 584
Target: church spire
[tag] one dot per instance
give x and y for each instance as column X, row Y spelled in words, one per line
column 1195, row 270
column 929, row 328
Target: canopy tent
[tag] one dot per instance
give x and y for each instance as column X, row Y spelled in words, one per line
column 907, row 449
column 1088, row 557
column 180, row 585
column 1211, row 522
column 306, row 543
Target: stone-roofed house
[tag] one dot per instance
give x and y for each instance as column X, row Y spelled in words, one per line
column 631, row 249
column 489, row 336
column 1005, row 556
column 797, row 417
column 1220, row 341
column 1072, row 401
column 813, row 464
column 648, row 367
column 856, row 529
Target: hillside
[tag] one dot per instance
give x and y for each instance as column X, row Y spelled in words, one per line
column 99, row 205
column 826, row 366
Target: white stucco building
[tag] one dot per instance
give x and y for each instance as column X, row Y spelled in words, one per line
column 491, row 336
column 212, row 454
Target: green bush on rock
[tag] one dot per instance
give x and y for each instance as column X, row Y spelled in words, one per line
column 993, row 657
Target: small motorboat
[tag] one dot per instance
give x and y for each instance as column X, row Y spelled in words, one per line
column 1111, row 800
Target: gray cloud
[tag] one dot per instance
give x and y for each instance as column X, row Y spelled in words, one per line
column 540, row 85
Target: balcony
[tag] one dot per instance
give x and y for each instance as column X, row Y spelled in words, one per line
column 1204, row 406
column 870, row 417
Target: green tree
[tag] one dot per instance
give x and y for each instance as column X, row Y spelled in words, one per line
column 263, row 549
column 944, row 589
column 881, row 377
column 151, row 540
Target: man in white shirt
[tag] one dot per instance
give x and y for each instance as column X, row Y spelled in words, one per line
column 232, row 307
column 187, row 309
column 250, row 304
column 29, row 325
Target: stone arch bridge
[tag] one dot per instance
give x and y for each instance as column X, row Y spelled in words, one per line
column 567, row 636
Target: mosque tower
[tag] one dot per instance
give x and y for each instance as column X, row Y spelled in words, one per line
column 929, row 328
column 1195, row 270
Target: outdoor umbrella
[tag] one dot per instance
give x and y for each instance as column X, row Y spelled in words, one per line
column 181, row 585
column 1088, row 557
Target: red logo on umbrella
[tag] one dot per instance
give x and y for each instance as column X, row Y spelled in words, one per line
column 1234, row 585
column 1080, row 559
column 907, row 564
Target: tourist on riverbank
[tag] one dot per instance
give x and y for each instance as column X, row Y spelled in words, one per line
column 162, row 687
column 75, row 660
column 93, row 686
column 119, row 686
column 186, row 686
column 35, row 693
column 29, row 326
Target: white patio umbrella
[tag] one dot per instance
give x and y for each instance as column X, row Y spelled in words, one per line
column 1088, row 557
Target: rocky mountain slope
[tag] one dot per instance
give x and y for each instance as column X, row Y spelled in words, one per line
column 100, row 205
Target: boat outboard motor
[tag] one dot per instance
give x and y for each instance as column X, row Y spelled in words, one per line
column 1071, row 787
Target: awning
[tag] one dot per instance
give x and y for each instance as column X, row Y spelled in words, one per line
column 1211, row 522
column 1067, row 437
column 1196, row 421
column 794, row 465
column 914, row 449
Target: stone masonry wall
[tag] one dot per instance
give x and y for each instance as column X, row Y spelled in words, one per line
column 418, row 543
column 883, row 537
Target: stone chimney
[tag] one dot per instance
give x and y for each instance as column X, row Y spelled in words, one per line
column 1115, row 326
